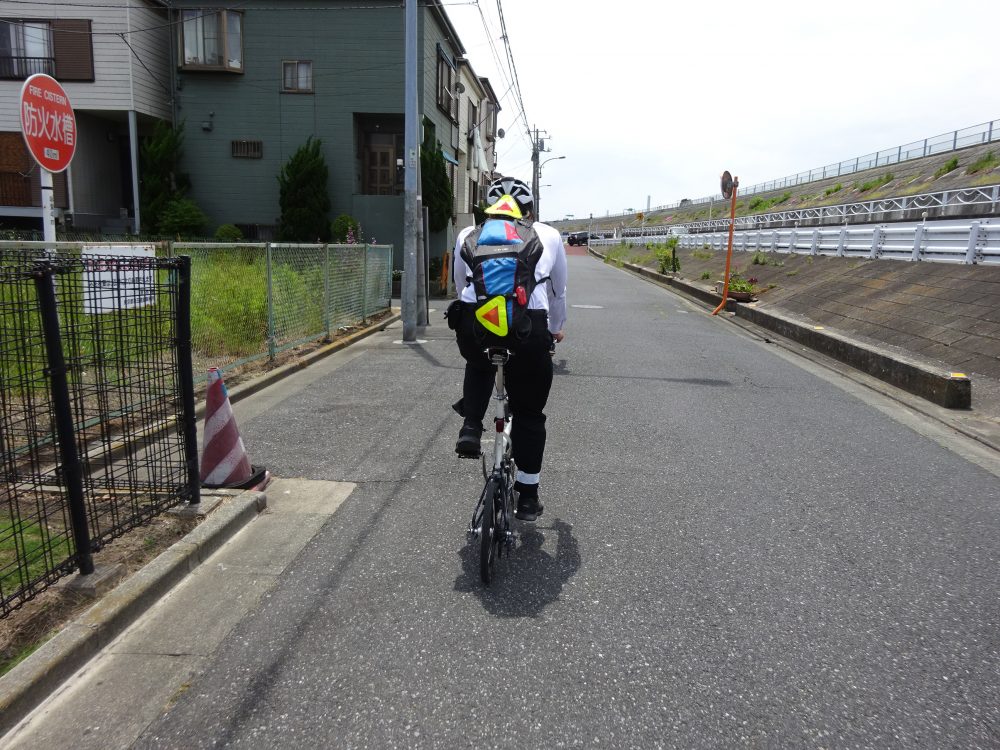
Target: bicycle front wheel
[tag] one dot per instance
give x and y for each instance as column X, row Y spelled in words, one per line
column 489, row 530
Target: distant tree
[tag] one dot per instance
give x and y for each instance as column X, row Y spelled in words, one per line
column 160, row 178
column 438, row 194
column 304, row 201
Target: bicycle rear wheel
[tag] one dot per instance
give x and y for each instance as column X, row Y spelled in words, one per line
column 489, row 531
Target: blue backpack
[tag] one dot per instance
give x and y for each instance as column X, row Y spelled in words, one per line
column 502, row 255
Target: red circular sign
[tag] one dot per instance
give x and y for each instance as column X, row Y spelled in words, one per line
column 48, row 122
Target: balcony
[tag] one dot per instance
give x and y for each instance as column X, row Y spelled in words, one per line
column 19, row 68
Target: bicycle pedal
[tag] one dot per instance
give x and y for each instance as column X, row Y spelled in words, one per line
column 470, row 456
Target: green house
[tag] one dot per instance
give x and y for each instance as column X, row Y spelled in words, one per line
column 253, row 82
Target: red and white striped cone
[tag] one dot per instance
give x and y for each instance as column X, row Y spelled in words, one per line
column 224, row 459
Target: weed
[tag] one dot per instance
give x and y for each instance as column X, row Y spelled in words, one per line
column 792, row 273
column 835, row 189
column 702, row 254
column 989, row 161
column 706, row 275
column 875, row 183
column 760, row 204
column 949, row 166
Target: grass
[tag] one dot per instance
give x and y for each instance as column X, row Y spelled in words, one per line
column 702, row 254
column 761, row 258
column 705, row 275
column 761, row 204
column 949, row 166
column 876, row 182
column 28, row 551
column 835, row 189
column 989, row 161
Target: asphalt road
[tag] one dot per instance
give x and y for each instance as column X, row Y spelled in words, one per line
column 735, row 551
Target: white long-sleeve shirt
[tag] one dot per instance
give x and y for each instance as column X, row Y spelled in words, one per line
column 550, row 295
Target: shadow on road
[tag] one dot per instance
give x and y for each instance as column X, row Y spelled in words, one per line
column 530, row 578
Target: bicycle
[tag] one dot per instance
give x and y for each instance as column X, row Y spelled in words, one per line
column 493, row 514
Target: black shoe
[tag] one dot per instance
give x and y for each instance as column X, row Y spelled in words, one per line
column 468, row 439
column 528, row 508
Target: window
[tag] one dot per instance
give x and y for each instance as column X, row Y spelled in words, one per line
column 247, row 149
column 60, row 48
column 489, row 129
column 212, row 40
column 297, row 76
column 473, row 195
column 473, row 122
column 447, row 100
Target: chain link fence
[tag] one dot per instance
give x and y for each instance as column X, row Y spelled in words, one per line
column 252, row 301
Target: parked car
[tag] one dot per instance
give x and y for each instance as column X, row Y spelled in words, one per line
column 577, row 238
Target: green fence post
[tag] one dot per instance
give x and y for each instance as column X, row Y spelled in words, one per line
column 271, row 349
column 326, row 290
column 364, row 287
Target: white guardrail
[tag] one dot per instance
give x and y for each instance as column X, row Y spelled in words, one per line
column 987, row 197
column 939, row 241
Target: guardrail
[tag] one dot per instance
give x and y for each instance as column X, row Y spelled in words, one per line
column 987, row 196
column 974, row 135
column 942, row 242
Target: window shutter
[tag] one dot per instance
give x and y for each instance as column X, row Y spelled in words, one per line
column 73, row 47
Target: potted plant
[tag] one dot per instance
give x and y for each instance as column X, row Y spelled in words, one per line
column 740, row 289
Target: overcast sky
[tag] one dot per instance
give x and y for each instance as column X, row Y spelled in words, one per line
column 655, row 98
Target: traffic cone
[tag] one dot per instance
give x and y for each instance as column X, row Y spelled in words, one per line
column 224, row 460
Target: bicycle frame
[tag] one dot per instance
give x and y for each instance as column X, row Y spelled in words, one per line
column 494, row 527
column 501, row 415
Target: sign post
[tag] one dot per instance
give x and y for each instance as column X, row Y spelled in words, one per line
column 49, row 128
column 730, row 185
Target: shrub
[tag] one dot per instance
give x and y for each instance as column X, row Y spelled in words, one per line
column 228, row 233
column 160, row 178
column 181, row 217
column 949, row 166
column 666, row 256
column 303, row 198
column 343, row 226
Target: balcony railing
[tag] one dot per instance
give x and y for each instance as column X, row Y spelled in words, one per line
column 18, row 68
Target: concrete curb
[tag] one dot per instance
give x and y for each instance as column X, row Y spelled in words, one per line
column 38, row 676
column 921, row 378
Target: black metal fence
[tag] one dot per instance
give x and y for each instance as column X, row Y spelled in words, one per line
column 97, row 425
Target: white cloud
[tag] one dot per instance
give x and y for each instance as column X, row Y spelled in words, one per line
column 656, row 98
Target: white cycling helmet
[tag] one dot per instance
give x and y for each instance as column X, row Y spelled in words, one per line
column 513, row 187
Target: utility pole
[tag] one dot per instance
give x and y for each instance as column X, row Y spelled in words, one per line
column 410, row 215
column 534, row 170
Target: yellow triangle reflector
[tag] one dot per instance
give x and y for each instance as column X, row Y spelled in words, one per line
column 506, row 206
column 493, row 315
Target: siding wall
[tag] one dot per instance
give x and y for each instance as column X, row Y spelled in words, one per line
column 357, row 58
column 120, row 82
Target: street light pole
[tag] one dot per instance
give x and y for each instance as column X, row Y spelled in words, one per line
column 537, row 186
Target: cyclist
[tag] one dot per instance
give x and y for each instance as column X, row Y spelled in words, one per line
column 529, row 371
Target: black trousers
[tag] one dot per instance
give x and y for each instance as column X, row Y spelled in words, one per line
column 528, row 376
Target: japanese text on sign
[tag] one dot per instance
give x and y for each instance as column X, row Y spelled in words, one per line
column 118, row 278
